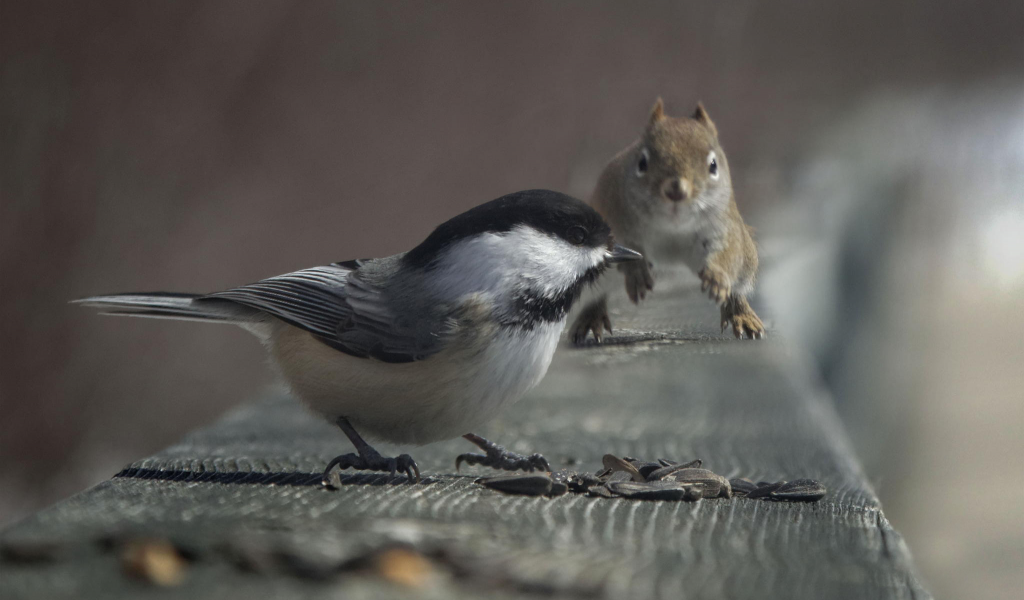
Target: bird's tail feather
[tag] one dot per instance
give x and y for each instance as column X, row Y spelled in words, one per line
column 169, row 305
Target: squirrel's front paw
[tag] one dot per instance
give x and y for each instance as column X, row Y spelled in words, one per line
column 744, row 321
column 639, row 279
column 594, row 317
column 715, row 283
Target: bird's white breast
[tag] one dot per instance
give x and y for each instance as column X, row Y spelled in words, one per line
column 442, row 397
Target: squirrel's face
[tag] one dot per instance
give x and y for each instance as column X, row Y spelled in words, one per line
column 679, row 161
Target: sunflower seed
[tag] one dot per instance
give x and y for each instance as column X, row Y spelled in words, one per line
column 653, row 490
column 741, row 486
column 667, row 470
column 557, row 489
column 764, row 489
column 524, row 485
column 714, row 484
column 619, row 476
column 799, row 490
column 645, row 469
column 694, row 493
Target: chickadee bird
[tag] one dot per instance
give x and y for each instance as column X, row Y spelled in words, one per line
column 425, row 345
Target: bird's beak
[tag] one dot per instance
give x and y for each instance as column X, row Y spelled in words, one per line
column 622, row 254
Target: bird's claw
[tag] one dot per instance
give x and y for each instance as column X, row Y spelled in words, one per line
column 510, row 461
column 593, row 318
column 497, row 457
column 373, row 462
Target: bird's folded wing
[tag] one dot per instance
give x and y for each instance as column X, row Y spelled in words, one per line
column 342, row 310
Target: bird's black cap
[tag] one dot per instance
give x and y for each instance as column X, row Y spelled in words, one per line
column 545, row 210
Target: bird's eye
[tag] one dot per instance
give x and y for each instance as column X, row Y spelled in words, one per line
column 576, row 235
column 641, row 165
column 713, row 165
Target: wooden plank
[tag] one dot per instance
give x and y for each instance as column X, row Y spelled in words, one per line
column 666, row 385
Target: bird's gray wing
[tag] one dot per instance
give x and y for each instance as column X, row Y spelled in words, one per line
column 346, row 306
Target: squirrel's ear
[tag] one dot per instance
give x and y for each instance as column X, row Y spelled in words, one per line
column 701, row 116
column 657, row 112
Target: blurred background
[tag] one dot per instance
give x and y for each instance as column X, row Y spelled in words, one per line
column 878, row 147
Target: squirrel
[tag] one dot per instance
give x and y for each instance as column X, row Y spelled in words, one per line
column 669, row 195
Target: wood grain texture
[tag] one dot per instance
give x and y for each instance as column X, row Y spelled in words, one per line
column 666, row 385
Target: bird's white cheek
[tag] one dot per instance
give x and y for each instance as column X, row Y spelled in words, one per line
column 500, row 263
column 551, row 263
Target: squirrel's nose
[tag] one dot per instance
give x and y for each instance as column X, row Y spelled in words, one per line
column 676, row 189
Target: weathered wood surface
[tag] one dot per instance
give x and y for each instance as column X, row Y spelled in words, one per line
column 667, row 385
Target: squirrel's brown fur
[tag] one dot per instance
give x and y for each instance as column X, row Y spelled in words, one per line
column 669, row 195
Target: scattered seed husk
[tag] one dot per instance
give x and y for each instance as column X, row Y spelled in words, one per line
column 578, row 483
column 663, row 479
column 622, row 465
column 583, row 482
column 563, row 475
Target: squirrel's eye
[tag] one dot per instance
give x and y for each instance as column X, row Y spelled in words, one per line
column 641, row 165
column 713, row 165
column 576, row 235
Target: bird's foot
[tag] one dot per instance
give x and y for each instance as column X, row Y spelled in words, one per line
column 498, row 457
column 594, row 317
column 371, row 460
column 367, row 458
